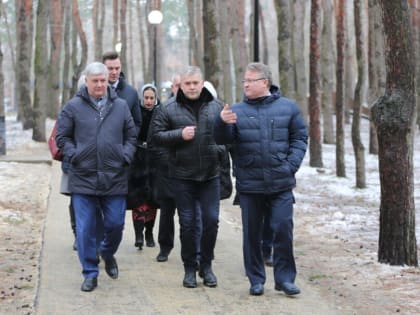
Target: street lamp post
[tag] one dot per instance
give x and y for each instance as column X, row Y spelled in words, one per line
column 155, row 17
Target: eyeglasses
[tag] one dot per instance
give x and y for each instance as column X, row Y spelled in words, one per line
column 252, row 80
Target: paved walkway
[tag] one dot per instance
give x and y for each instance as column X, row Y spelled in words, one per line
column 148, row 287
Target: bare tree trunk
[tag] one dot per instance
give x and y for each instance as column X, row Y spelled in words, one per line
column 359, row 149
column 395, row 116
column 225, row 37
column 240, row 54
column 327, row 73
column 123, row 34
column 376, row 67
column 9, row 36
column 130, row 65
column 56, row 24
column 339, row 99
column 98, row 19
column 300, row 68
column 2, row 109
column 193, row 41
column 140, row 18
column 24, row 31
column 315, row 145
column 78, row 33
column 284, row 30
column 211, row 34
column 349, row 62
column 41, row 95
column 415, row 24
column 264, row 39
column 66, row 58
column 115, row 24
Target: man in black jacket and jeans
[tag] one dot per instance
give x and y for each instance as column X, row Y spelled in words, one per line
column 184, row 125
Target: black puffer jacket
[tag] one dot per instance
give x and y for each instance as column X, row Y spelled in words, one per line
column 98, row 144
column 199, row 158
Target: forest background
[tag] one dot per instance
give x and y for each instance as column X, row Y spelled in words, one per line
column 342, row 61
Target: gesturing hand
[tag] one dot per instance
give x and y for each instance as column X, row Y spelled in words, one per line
column 188, row 132
column 227, row 115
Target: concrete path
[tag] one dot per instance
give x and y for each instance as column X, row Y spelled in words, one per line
column 148, row 287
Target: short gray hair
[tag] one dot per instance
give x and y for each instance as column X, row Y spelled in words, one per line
column 95, row 68
column 191, row 70
column 261, row 68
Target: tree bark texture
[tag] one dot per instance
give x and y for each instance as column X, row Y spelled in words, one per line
column 140, row 18
column 2, row 109
column 327, row 73
column 339, row 99
column 24, row 31
column 315, row 145
column 264, row 39
column 56, row 24
column 394, row 115
column 41, row 94
column 115, row 15
column 212, row 70
column 358, row 148
column 65, row 93
column 225, row 91
column 123, row 34
column 284, row 14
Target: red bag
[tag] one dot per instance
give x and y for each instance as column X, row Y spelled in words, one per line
column 55, row 151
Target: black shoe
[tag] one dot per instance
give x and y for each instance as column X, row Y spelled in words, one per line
column 139, row 241
column 189, row 280
column 288, row 288
column 150, row 242
column 162, row 256
column 209, row 278
column 89, row 284
column 74, row 245
column 111, row 267
column 256, row 289
column 268, row 260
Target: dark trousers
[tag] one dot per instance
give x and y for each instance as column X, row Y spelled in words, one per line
column 166, row 224
column 188, row 196
column 267, row 238
column 113, row 214
column 281, row 208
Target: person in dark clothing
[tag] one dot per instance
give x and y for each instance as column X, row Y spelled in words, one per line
column 269, row 137
column 97, row 136
column 185, row 127
column 140, row 197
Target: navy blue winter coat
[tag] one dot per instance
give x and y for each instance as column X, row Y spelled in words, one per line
column 98, row 145
column 269, row 140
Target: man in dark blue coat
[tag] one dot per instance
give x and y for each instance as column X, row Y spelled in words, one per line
column 270, row 138
column 97, row 135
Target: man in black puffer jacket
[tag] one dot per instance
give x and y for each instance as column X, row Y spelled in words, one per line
column 184, row 125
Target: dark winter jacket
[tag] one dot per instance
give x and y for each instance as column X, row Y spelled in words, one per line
column 269, row 140
column 197, row 159
column 98, row 144
column 129, row 94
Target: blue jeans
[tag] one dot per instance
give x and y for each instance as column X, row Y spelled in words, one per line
column 188, row 196
column 281, row 208
column 113, row 216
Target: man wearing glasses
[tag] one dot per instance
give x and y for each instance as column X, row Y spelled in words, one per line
column 269, row 136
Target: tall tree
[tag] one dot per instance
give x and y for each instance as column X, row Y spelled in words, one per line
column 358, row 148
column 315, row 145
column 123, row 34
column 56, row 25
column 225, row 37
column 65, row 93
column 115, row 11
column 240, row 53
column 193, row 7
column 211, row 35
column 24, row 32
column 376, row 66
column 78, row 33
column 2, row 109
column 98, row 23
column 327, row 73
column 140, row 18
column 339, row 99
column 395, row 116
column 41, row 94
column 300, row 28
column 284, row 14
